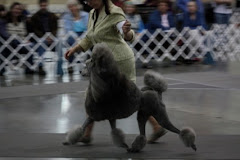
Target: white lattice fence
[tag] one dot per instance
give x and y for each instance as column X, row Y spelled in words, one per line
column 222, row 42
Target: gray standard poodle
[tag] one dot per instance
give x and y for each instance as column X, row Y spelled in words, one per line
column 111, row 96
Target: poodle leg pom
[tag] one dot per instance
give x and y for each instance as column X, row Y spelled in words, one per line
column 118, row 138
column 138, row 144
column 188, row 135
column 73, row 136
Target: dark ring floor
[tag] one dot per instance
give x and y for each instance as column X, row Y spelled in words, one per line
column 35, row 112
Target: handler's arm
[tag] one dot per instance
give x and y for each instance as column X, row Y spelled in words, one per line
column 129, row 34
column 82, row 46
column 71, row 51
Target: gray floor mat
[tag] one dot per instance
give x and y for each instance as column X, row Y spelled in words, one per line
column 169, row 147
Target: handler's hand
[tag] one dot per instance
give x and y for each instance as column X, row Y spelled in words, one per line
column 126, row 27
column 69, row 53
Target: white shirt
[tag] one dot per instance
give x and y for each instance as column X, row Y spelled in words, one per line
column 165, row 22
column 223, row 9
column 18, row 29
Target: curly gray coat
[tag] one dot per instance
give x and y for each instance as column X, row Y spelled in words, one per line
column 112, row 96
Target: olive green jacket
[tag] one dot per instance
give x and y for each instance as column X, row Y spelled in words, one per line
column 105, row 30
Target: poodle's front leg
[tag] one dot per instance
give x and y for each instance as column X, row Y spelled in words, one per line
column 75, row 134
column 117, row 135
column 140, row 141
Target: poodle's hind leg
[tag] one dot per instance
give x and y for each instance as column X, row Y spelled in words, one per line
column 117, row 135
column 160, row 114
column 75, row 134
column 187, row 135
column 141, row 140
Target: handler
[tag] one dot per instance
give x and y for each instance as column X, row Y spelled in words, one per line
column 107, row 23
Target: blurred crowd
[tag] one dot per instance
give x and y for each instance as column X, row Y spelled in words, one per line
column 143, row 14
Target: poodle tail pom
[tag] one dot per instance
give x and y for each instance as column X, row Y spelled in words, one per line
column 74, row 134
column 188, row 135
column 155, row 81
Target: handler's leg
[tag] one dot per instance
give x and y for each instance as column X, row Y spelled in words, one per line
column 158, row 131
column 75, row 134
column 154, row 124
column 87, row 137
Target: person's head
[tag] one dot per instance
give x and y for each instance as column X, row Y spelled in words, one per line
column 2, row 11
column 43, row 4
column 192, row 7
column 129, row 7
column 163, row 6
column 16, row 9
column 97, row 4
column 73, row 6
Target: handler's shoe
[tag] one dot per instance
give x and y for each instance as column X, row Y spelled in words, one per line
column 85, row 140
column 156, row 135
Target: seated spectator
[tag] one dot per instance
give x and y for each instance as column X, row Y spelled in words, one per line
column 16, row 21
column 3, row 34
column 161, row 18
column 151, row 2
column 182, row 5
column 16, row 25
column 42, row 22
column 76, row 21
column 192, row 17
column 223, row 11
column 182, row 8
column 134, row 18
column 3, row 31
